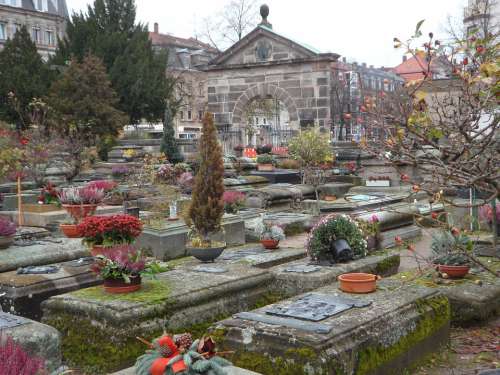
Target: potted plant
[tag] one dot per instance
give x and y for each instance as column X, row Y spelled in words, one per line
column 264, row 149
column 371, row 231
column 7, row 232
column 48, row 200
column 265, row 162
column 233, row 201
column 103, row 232
column 270, row 234
column 205, row 213
column 335, row 239
column 79, row 202
column 449, row 250
column 122, row 269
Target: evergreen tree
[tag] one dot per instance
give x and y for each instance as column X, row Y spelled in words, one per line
column 23, row 77
column 207, row 206
column 84, row 107
column 168, row 144
column 138, row 74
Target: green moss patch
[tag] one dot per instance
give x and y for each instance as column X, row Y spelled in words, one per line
column 387, row 264
column 151, row 292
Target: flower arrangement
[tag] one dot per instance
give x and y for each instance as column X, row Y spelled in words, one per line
column 15, row 360
column 81, row 195
column 105, row 185
column 486, row 213
column 166, row 173
column 129, row 153
column 49, row 195
column 120, row 171
column 124, row 262
column 449, row 248
column 233, row 201
column 265, row 159
column 331, row 228
column 269, row 231
column 110, row 230
column 185, row 182
column 7, row 227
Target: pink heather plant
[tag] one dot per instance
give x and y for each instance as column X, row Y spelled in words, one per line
column 105, row 185
column 7, row 228
column 14, row 360
column 486, row 213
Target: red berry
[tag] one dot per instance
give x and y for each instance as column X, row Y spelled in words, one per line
column 398, row 240
column 434, row 215
column 405, row 177
column 479, row 49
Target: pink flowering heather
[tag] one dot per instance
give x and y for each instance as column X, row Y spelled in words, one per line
column 105, row 185
column 7, row 227
column 14, row 360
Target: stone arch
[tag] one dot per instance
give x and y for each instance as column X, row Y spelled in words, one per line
column 263, row 91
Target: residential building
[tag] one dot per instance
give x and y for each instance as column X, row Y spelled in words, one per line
column 416, row 67
column 45, row 20
column 482, row 17
column 186, row 58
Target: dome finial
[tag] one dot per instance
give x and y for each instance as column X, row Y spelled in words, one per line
column 264, row 12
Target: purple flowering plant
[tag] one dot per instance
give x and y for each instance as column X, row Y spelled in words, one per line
column 125, row 262
column 14, row 360
column 7, row 227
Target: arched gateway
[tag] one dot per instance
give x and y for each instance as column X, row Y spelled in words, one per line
column 265, row 65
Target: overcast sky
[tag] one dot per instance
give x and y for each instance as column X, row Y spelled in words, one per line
column 361, row 30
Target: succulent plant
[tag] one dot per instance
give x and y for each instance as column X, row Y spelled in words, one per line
column 449, row 249
column 7, row 227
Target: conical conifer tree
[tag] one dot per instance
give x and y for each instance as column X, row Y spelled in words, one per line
column 207, row 206
column 168, row 144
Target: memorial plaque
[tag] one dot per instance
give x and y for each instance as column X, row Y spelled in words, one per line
column 10, row 321
column 302, row 268
column 315, row 307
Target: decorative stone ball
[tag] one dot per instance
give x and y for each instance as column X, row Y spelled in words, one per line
column 264, row 11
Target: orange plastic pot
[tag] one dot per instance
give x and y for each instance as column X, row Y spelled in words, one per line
column 270, row 244
column 120, row 286
column 455, row 272
column 70, row 230
column 358, row 282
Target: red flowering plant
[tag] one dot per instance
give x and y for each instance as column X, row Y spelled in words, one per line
column 49, row 194
column 233, row 201
column 110, row 230
column 124, row 262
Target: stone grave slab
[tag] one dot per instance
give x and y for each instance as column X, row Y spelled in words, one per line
column 169, row 241
column 387, row 333
column 22, row 294
column 231, row 370
column 178, row 301
column 388, row 238
column 337, row 189
column 279, row 176
column 303, row 276
column 257, row 256
column 354, row 202
column 276, row 194
column 43, row 219
column 37, row 339
column 40, row 252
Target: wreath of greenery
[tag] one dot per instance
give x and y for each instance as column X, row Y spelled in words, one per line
column 332, row 228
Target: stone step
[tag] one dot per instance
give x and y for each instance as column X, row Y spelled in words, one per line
column 400, row 326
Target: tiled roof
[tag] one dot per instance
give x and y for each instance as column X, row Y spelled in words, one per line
column 158, row 39
column 413, row 68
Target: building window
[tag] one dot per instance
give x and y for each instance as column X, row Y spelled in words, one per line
column 35, row 35
column 189, row 115
column 15, row 28
column 49, row 38
column 181, row 114
column 3, row 31
column 41, row 5
column 200, row 115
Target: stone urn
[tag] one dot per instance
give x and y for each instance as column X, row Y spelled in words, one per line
column 206, row 254
column 6, row 241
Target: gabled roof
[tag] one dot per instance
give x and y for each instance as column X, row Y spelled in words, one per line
column 416, row 67
column 259, row 31
column 165, row 40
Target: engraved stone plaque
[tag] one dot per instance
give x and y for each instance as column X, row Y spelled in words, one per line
column 315, row 307
column 10, row 321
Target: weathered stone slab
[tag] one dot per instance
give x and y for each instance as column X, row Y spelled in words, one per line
column 388, row 238
column 257, row 256
column 44, row 219
column 338, row 189
column 105, row 326
column 42, row 251
column 279, row 176
column 231, row 370
column 169, row 241
column 10, row 200
column 357, row 202
column 399, row 327
column 22, row 294
column 37, row 339
column 301, row 276
column 278, row 193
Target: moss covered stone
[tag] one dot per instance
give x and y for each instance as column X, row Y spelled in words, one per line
column 388, row 265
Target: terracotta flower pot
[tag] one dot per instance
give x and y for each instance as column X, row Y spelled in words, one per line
column 358, row 282
column 455, row 272
column 120, row 286
column 80, row 211
column 70, row 230
column 270, row 244
column 265, row 167
column 6, row 241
